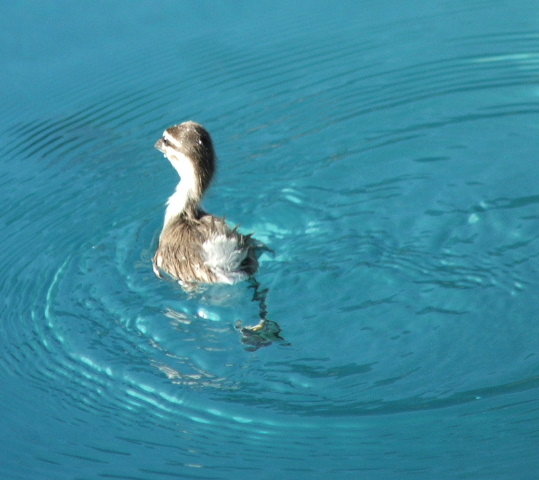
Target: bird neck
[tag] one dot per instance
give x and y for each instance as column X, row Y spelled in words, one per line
column 187, row 197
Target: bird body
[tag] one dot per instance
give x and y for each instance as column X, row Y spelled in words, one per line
column 195, row 246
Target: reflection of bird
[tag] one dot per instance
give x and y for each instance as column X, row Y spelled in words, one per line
column 194, row 246
column 262, row 335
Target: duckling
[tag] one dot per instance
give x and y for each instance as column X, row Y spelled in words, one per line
column 195, row 246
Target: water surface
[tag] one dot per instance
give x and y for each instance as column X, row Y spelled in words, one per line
column 386, row 153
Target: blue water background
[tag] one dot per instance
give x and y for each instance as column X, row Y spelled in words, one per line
column 387, row 152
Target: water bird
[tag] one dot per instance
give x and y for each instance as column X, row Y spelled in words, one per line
column 196, row 247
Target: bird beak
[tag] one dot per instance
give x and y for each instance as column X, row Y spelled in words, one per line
column 160, row 145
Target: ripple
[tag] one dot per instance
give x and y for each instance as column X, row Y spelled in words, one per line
column 116, row 333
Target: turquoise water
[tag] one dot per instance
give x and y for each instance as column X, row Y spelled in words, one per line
column 387, row 152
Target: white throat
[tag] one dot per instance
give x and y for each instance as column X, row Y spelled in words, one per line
column 186, row 190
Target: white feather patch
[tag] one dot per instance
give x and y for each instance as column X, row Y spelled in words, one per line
column 186, row 189
column 224, row 257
